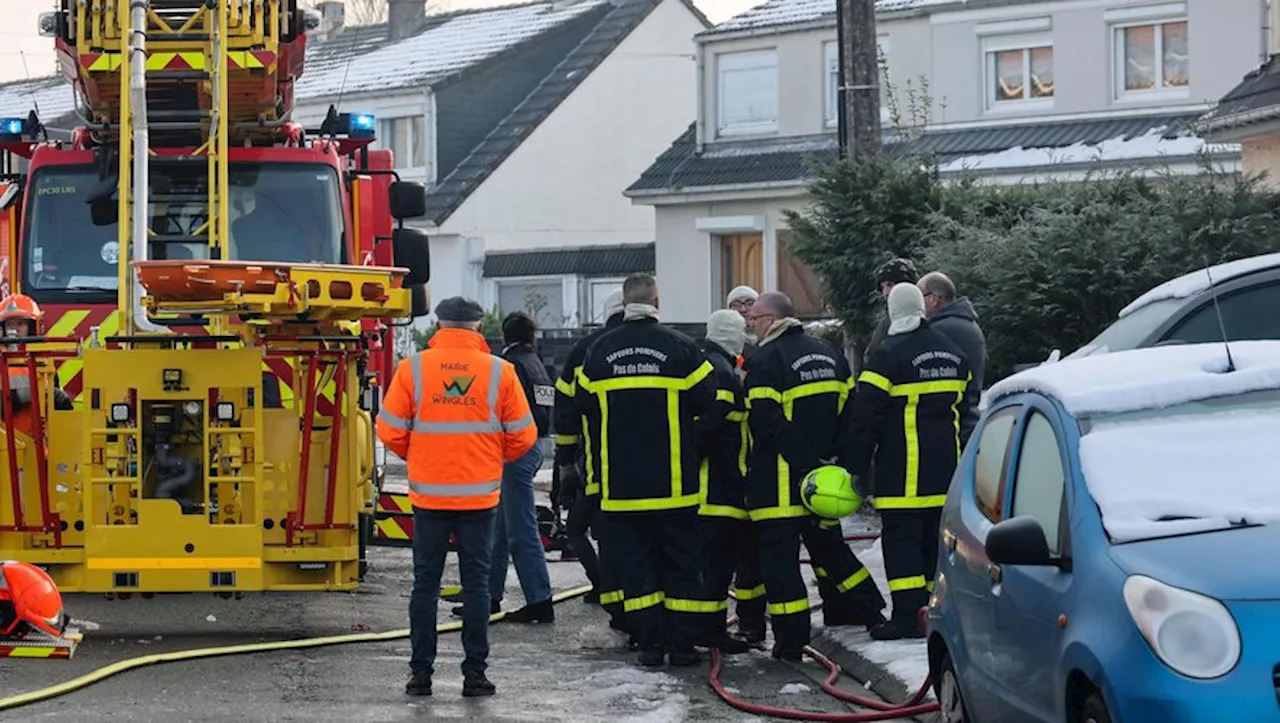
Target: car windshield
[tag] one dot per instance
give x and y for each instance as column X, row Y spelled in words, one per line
column 1188, row 468
column 279, row 212
column 1129, row 331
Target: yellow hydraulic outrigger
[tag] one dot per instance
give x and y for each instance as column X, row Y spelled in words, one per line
column 179, row 472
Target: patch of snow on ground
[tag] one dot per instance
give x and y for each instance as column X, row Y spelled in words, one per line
column 794, row 689
column 1153, row 378
column 651, row 695
column 1193, row 283
column 1141, row 471
column 601, row 637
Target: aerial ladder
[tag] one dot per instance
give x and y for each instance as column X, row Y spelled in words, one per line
column 181, row 470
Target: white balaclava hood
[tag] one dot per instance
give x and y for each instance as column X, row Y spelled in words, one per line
column 613, row 304
column 728, row 329
column 741, row 292
column 906, row 308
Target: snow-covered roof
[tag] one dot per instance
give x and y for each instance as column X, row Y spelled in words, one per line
column 1152, row 378
column 449, row 44
column 1151, row 146
column 1193, row 283
column 779, row 13
column 52, row 95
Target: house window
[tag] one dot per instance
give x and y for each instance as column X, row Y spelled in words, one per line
column 1152, row 58
column 406, row 138
column 597, row 291
column 831, row 53
column 797, row 280
column 748, row 84
column 1018, row 71
column 741, row 262
column 541, row 298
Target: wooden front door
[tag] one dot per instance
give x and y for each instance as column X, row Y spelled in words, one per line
column 741, row 262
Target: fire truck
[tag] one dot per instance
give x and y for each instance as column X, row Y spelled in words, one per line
column 220, row 288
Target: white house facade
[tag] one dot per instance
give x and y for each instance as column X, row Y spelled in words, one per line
column 1009, row 91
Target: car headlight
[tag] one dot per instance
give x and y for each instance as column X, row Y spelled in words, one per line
column 1193, row 634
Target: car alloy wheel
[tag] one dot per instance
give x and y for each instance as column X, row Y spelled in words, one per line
column 950, row 700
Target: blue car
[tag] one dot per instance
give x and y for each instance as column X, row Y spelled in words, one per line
column 1108, row 548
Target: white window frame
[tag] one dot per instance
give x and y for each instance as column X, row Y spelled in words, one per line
column 831, row 90
column 750, row 60
column 588, row 284
column 1119, row 60
column 991, row 47
column 386, row 139
column 568, row 291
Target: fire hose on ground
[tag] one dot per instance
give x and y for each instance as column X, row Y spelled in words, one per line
column 879, row 710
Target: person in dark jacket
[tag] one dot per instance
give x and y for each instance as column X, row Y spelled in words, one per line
column 583, row 501
column 641, row 386
column 728, row 540
column 797, row 388
column 904, row 414
column 956, row 318
column 894, row 271
column 516, row 534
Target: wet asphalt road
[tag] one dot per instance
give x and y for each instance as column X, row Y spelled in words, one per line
column 543, row 672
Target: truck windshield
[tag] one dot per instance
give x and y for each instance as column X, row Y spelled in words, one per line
column 279, row 212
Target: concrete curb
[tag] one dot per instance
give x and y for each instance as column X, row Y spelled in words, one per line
column 871, row 675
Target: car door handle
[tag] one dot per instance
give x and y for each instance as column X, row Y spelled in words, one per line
column 995, row 572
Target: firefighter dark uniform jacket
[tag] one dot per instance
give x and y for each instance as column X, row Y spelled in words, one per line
column 722, row 441
column 797, row 387
column 905, row 412
column 640, row 387
column 536, row 383
column 568, row 418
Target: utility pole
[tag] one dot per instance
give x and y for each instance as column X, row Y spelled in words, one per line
column 858, row 86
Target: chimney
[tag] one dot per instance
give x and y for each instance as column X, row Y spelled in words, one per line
column 404, row 17
column 333, row 14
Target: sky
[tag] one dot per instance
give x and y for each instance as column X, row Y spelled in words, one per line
column 20, row 42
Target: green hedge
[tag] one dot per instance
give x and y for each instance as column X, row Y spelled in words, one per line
column 1046, row 266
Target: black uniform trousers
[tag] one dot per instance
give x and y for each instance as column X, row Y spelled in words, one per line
column 909, row 540
column 784, row 587
column 729, row 548
column 838, row 609
column 656, row 556
column 586, row 515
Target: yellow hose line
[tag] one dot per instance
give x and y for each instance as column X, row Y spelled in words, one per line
column 108, row 671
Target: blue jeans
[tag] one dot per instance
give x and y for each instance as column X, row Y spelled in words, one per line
column 431, row 530
column 516, row 533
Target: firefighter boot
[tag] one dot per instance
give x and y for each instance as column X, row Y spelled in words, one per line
column 477, row 686
column 419, row 683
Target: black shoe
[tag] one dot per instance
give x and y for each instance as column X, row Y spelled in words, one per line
column 792, row 654
column 419, row 683
column 897, row 630
column 477, row 687
column 684, row 658
column 751, row 634
column 495, row 607
column 853, row 617
column 652, row 657
column 539, row 612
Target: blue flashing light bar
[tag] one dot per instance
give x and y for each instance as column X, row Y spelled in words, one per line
column 357, row 125
column 12, row 129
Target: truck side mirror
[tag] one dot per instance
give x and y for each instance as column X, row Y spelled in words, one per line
column 104, row 211
column 408, row 200
column 421, row 301
column 412, row 251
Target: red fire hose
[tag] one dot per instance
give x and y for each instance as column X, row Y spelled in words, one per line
column 879, row 710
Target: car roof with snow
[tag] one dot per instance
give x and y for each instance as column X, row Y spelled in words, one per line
column 1195, row 282
column 1150, row 378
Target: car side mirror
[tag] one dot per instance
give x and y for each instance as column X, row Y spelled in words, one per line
column 411, row 249
column 408, row 199
column 1019, row 541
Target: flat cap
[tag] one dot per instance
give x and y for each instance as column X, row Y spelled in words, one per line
column 457, row 308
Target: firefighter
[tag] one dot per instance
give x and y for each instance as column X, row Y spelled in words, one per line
column 456, row 414
column 583, row 501
column 23, row 317
column 640, row 388
column 728, row 540
column 797, row 386
column 905, row 415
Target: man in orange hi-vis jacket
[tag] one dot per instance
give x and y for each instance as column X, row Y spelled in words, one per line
column 456, row 414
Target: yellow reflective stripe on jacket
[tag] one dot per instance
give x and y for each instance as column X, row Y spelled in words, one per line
column 724, row 395
column 778, row 513
column 749, row 593
column 643, row 602
column 694, row 606
column 567, row 388
column 901, row 584
column 736, row 513
column 646, row 505
column 789, row 608
column 912, row 391
column 566, row 440
column 611, row 597
column 810, row 389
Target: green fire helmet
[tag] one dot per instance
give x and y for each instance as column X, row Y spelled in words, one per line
column 828, row 492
